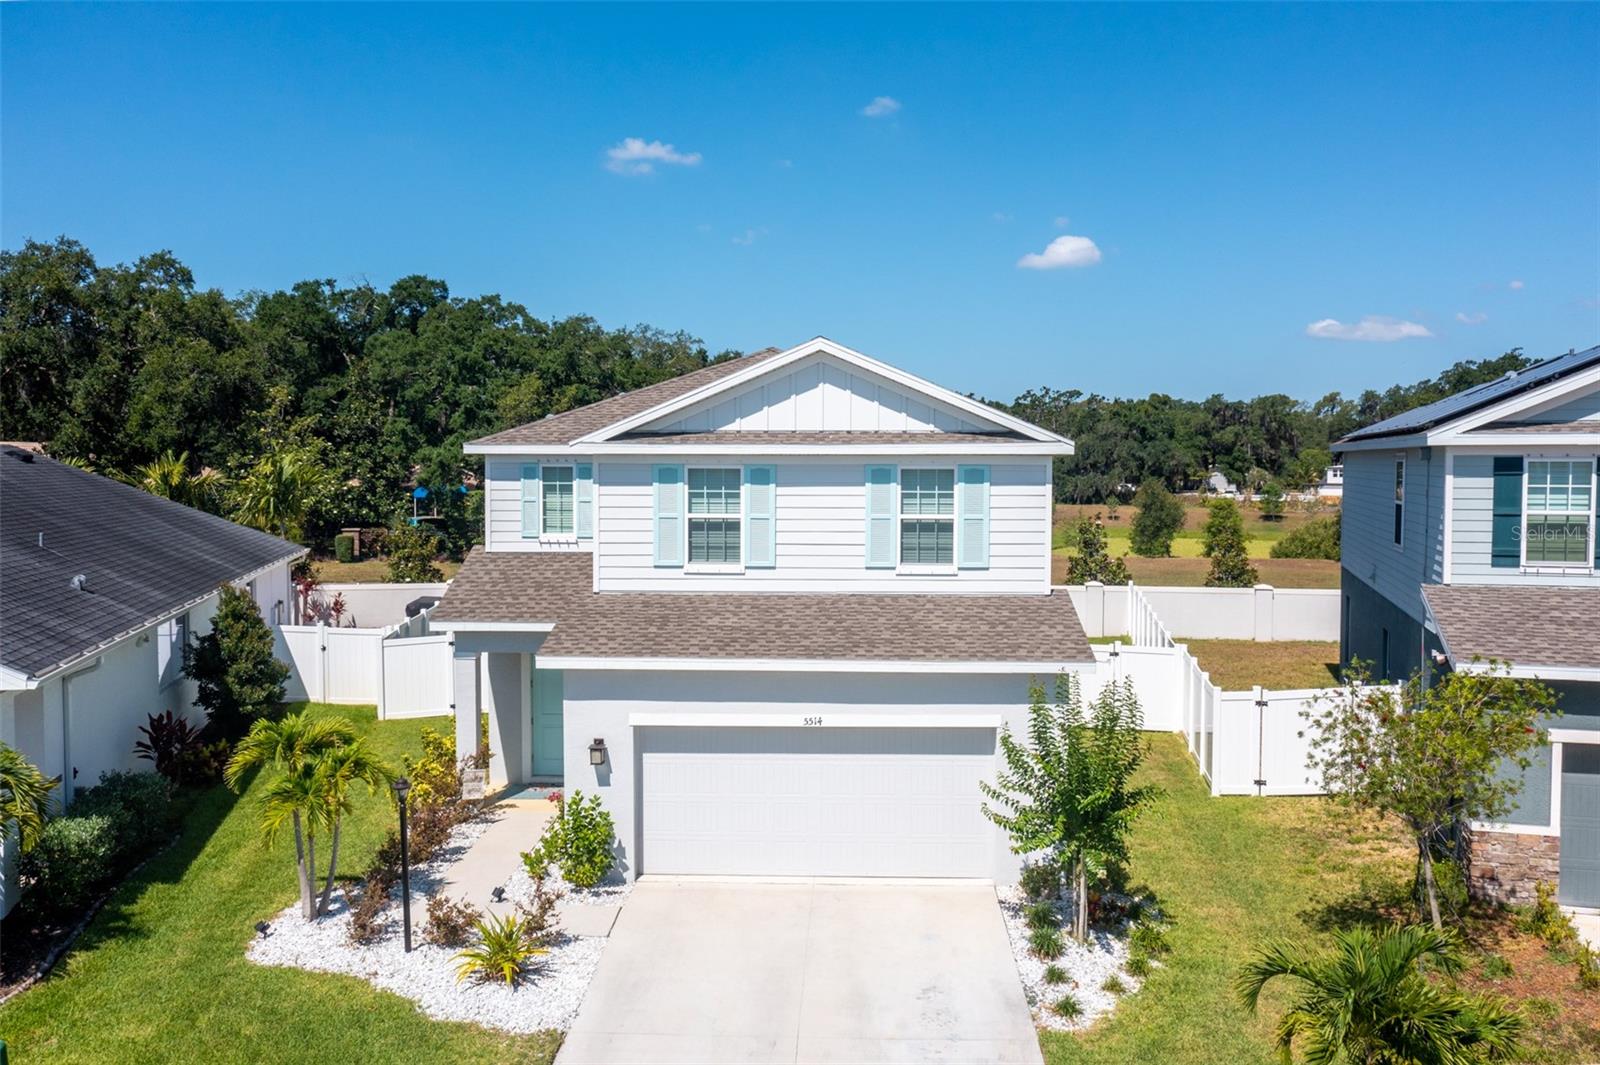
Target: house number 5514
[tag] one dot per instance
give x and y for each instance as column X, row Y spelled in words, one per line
column 811, row 721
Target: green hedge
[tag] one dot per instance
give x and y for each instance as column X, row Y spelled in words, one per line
column 108, row 829
column 1318, row 538
column 344, row 547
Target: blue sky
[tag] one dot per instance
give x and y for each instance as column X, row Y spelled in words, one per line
column 1222, row 195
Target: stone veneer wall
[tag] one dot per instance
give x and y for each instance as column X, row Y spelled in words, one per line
column 1505, row 866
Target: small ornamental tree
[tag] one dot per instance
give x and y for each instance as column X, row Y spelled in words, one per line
column 1432, row 755
column 1222, row 517
column 1317, row 538
column 1069, row 788
column 1230, row 563
column 411, row 553
column 1092, row 562
column 233, row 668
column 1272, row 501
column 1158, row 521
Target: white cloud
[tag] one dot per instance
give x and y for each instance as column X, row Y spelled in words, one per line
column 635, row 155
column 1515, row 285
column 750, row 236
column 1373, row 327
column 881, row 107
column 1066, row 251
column 1061, row 221
column 1475, row 318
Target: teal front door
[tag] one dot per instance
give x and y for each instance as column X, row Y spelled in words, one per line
column 547, row 702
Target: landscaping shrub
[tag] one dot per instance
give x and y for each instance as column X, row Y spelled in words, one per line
column 138, row 807
column 1041, row 880
column 233, row 667
column 168, row 742
column 412, row 549
column 344, row 547
column 1272, row 501
column 73, row 857
column 1547, row 920
column 1230, row 562
column 203, row 765
column 1067, row 1006
column 1137, row 965
column 1495, row 967
column 1158, row 521
column 501, row 953
column 1317, row 538
column 365, row 928
column 1588, row 968
column 436, row 776
column 541, row 922
column 1223, row 519
column 578, row 840
column 450, row 922
column 1113, row 985
column 1045, row 943
column 1093, row 562
column 1055, row 975
column 1149, row 939
column 1040, row 915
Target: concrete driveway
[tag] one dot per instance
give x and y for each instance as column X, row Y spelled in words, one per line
column 748, row 971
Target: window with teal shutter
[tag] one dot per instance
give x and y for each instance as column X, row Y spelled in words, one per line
column 585, row 501
column 1556, row 518
column 973, row 508
column 928, row 517
column 760, row 512
column 530, row 502
column 882, row 544
column 556, row 492
column 668, row 520
column 1506, row 539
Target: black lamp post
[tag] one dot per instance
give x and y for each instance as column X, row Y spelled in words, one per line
column 401, row 787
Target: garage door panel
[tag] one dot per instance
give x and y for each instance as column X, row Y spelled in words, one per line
column 815, row 801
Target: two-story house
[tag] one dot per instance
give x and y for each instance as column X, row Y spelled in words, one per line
column 1468, row 536
column 773, row 612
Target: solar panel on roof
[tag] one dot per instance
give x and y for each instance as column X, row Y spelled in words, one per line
column 1480, row 395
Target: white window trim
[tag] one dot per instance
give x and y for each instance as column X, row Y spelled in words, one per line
column 1400, row 504
column 926, row 569
column 558, row 537
column 1527, row 477
column 714, row 568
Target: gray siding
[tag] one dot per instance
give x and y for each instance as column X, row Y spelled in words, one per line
column 1370, row 554
column 1471, row 529
column 1580, row 709
column 1367, row 616
column 1577, row 409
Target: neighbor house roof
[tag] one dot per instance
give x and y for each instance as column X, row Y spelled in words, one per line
column 555, row 588
column 143, row 558
column 1539, row 428
column 1468, row 400
column 862, row 438
column 572, row 425
column 1521, row 625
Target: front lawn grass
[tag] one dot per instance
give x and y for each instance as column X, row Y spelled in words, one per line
column 1191, row 572
column 1237, row 665
column 367, row 571
column 160, row 975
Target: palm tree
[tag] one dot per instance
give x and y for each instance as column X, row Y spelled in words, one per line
column 24, row 796
column 1367, row 1002
column 338, row 771
column 295, row 744
column 169, row 478
column 278, row 492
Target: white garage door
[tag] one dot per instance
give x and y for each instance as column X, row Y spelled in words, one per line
column 816, row 801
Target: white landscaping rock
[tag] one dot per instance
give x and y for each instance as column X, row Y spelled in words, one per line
column 548, row 997
column 1086, row 964
column 519, row 888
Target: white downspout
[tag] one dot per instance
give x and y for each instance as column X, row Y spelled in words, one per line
column 67, row 770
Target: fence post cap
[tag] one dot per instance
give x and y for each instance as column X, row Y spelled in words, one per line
column 1264, row 587
column 1093, row 584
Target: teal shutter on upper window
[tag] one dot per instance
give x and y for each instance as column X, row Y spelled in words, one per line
column 530, row 502
column 584, row 494
column 882, row 544
column 760, row 513
column 668, row 496
column 972, row 511
column 1506, row 545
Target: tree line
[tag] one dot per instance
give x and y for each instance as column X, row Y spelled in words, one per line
column 355, row 395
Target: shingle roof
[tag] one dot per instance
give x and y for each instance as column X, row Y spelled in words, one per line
column 781, row 437
column 1540, row 428
column 571, row 425
column 144, row 557
column 556, row 587
column 1525, row 625
column 1479, row 396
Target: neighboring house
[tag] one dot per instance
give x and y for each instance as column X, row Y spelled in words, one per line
column 102, row 585
column 772, row 612
column 1217, row 484
column 1332, row 483
column 1469, row 535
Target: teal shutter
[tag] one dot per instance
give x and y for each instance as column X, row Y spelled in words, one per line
column 972, row 511
column 881, row 547
column 668, row 493
column 760, row 517
column 583, row 495
column 1506, row 547
column 530, row 502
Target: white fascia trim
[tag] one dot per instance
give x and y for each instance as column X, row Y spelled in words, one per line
column 1382, row 443
column 1580, row 674
column 803, row 665
column 1573, row 735
column 839, row 351
column 841, row 719
column 13, row 681
column 1542, row 396
column 492, row 626
column 1522, row 441
column 777, row 447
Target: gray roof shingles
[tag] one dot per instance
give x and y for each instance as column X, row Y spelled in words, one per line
column 144, row 557
column 556, row 587
column 1541, row 428
column 1525, row 625
column 854, row 438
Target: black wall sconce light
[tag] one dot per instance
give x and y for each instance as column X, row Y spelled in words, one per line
column 597, row 752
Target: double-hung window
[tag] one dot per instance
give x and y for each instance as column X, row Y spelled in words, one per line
column 557, row 502
column 1399, row 501
column 714, row 516
column 1558, row 513
column 928, row 517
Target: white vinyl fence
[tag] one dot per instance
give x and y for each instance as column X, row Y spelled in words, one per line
column 1261, row 613
column 402, row 669
column 1255, row 742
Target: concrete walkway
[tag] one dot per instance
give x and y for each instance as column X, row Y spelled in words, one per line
column 1588, row 926
column 495, row 855
column 746, row 971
